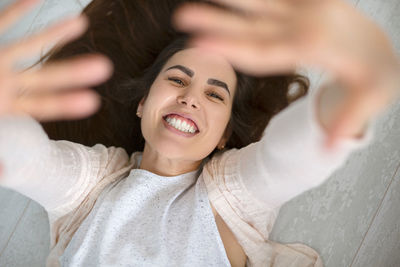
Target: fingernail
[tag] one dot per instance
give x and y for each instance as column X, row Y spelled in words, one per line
column 84, row 19
column 88, row 103
column 72, row 27
column 102, row 65
column 183, row 16
column 95, row 102
column 81, row 20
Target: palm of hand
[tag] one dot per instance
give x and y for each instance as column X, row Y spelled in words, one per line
column 274, row 37
column 40, row 92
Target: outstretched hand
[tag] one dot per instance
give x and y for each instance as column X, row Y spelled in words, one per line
column 45, row 92
column 263, row 37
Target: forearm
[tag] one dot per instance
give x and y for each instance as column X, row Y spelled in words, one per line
column 290, row 158
column 56, row 174
column 39, row 168
column 22, row 143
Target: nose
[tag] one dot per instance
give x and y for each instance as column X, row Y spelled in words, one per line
column 189, row 100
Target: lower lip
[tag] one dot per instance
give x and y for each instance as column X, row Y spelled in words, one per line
column 172, row 129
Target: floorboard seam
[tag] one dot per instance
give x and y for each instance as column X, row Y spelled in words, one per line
column 374, row 217
column 15, row 228
column 28, row 31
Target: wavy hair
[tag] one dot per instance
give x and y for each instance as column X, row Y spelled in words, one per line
column 138, row 37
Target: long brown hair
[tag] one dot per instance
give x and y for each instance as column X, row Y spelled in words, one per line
column 139, row 38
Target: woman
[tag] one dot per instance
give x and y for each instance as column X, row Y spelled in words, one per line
column 95, row 195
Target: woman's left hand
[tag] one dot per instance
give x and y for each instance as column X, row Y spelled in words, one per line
column 266, row 37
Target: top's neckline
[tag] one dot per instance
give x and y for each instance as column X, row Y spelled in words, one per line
column 138, row 158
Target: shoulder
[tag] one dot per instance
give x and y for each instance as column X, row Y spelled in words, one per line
column 222, row 159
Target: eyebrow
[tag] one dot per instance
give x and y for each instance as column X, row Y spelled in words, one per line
column 188, row 71
column 210, row 81
column 220, row 84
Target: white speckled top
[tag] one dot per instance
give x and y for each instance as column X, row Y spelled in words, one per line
column 149, row 220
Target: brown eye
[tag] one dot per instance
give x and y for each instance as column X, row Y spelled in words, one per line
column 177, row 81
column 215, row 95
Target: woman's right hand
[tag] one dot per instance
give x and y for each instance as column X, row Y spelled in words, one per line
column 57, row 90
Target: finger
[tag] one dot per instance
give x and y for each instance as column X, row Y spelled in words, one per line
column 81, row 71
column 254, row 57
column 13, row 12
column 351, row 118
column 71, row 105
column 61, row 33
column 276, row 7
column 208, row 19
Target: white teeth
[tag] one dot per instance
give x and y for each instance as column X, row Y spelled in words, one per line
column 180, row 125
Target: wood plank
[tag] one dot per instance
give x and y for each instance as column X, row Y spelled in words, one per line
column 21, row 27
column 335, row 217
column 12, row 207
column 381, row 245
column 29, row 245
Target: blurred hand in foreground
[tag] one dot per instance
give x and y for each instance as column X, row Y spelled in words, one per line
column 57, row 90
column 267, row 37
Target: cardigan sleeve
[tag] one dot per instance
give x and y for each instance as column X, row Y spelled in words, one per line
column 291, row 158
column 56, row 174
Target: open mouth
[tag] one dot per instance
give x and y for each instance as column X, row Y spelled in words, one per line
column 181, row 124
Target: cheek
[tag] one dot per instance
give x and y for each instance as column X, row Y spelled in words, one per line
column 218, row 120
column 158, row 96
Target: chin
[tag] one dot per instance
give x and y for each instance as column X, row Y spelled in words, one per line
column 173, row 150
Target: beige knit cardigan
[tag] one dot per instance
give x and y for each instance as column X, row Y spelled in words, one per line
column 248, row 218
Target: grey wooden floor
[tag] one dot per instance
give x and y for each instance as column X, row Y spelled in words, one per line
column 352, row 219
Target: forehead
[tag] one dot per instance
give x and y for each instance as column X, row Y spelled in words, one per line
column 204, row 65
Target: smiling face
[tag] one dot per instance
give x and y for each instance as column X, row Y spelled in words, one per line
column 194, row 89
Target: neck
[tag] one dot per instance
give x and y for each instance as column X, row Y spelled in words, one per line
column 153, row 162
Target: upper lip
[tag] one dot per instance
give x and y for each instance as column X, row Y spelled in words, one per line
column 184, row 115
